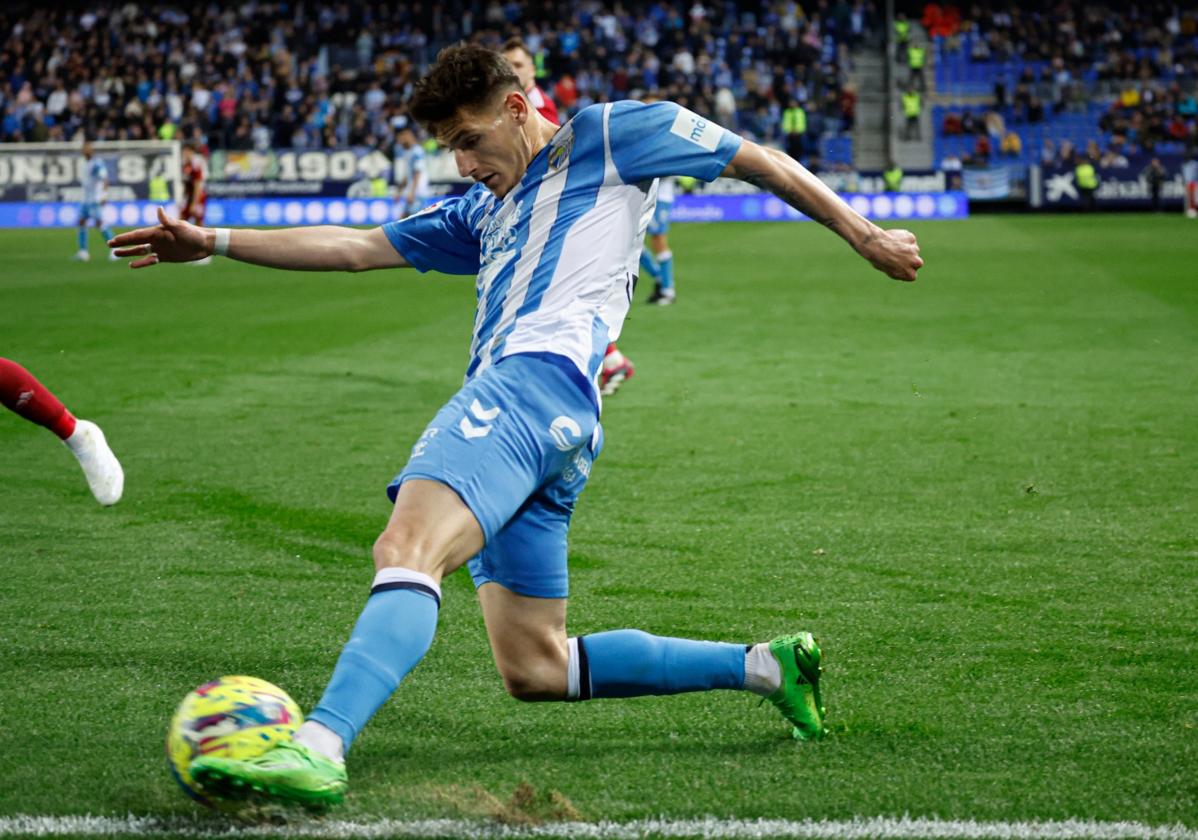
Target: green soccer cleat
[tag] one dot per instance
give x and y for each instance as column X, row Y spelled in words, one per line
column 287, row 774
column 798, row 697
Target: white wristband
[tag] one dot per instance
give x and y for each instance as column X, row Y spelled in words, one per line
column 221, row 248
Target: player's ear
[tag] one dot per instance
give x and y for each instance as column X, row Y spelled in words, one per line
column 518, row 107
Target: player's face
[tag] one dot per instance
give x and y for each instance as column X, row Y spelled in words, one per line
column 490, row 146
column 522, row 63
column 87, row 151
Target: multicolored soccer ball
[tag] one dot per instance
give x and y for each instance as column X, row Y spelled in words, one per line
column 235, row 717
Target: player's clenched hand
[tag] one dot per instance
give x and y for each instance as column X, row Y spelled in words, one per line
column 895, row 253
column 171, row 240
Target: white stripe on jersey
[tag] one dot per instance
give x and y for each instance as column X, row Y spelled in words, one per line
column 544, row 214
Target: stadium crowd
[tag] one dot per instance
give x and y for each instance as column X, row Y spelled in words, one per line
column 245, row 75
column 1126, row 74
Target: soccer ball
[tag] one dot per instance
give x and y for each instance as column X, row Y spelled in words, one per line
column 234, row 717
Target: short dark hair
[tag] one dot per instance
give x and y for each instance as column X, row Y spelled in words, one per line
column 464, row 76
column 515, row 44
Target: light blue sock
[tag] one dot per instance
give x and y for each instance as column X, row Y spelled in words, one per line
column 650, row 264
column 82, row 239
column 393, row 633
column 631, row 663
column 106, row 233
column 666, row 261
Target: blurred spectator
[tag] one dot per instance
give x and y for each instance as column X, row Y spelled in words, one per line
column 912, row 108
column 1012, row 145
column 794, row 129
column 1154, row 176
column 916, row 57
column 1086, row 178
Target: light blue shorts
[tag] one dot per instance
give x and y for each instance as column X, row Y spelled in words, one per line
column 516, row 443
column 90, row 212
column 660, row 223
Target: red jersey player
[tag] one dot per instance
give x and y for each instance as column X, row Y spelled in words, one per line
column 519, row 56
column 195, row 197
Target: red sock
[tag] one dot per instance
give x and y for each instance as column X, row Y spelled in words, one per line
column 611, row 348
column 1192, row 194
column 22, row 393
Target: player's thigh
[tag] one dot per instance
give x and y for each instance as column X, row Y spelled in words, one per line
column 431, row 530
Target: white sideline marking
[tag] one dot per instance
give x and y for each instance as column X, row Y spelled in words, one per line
column 859, row 828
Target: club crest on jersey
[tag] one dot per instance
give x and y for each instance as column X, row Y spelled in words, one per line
column 559, row 150
column 500, row 232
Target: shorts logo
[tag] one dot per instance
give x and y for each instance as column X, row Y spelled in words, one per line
column 422, row 444
column 562, row 429
column 483, row 415
column 690, row 126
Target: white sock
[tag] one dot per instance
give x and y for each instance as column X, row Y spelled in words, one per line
column 78, row 441
column 763, row 674
column 318, row 737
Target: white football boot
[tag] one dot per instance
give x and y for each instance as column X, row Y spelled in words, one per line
column 104, row 474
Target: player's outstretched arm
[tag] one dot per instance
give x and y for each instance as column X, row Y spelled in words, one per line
column 893, row 252
column 324, row 248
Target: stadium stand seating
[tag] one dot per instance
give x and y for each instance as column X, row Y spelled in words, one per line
column 1114, row 79
column 258, row 75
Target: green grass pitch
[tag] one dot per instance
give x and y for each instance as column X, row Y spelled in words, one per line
column 979, row 491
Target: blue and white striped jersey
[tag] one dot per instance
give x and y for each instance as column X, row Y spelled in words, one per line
column 95, row 175
column 556, row 257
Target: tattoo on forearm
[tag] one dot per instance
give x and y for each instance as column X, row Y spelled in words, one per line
column 787, row 192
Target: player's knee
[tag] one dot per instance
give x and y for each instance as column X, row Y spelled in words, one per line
column 533, row 680
column 404, row 546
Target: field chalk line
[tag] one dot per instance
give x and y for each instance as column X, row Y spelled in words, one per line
column 860, row 828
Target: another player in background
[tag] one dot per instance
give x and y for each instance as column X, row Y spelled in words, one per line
column 91, row 208
column 616, row 368
column 552, row 228
column 195, row 194
column 656, row 258
column 23, row 394
column 1189, row 174
column 520, row 57
column 414, row 190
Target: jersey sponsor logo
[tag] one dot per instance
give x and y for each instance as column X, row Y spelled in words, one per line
column 566, row 433
column 702, row 132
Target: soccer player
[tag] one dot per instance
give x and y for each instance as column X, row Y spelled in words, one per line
column 1189, row 175
column 656, row 258
column 23, row 394
column 553, row 229
column 91, row 209
column 195, row 195
column 520, row 57
column 414, row 190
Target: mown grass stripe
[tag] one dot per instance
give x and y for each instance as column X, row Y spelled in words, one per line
column 887, row 828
